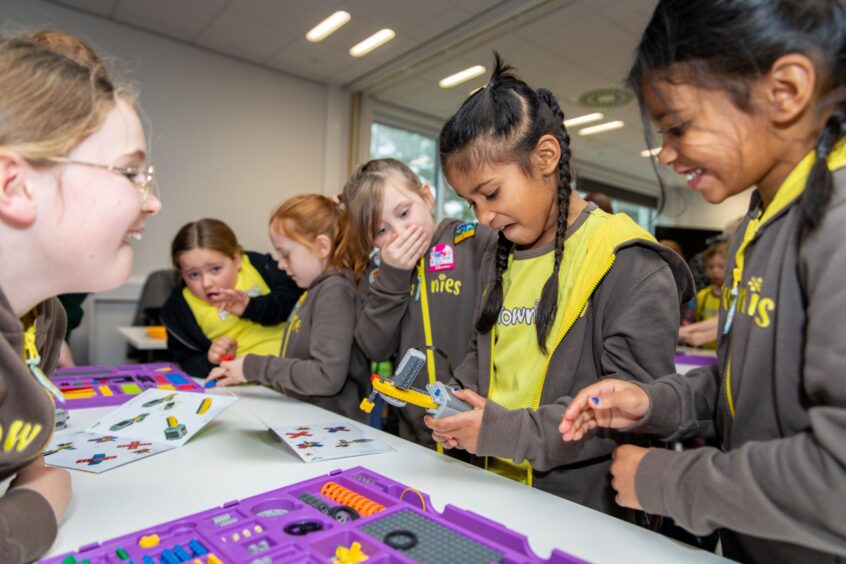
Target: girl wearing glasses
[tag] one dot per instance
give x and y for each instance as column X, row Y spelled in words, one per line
column 74, row 192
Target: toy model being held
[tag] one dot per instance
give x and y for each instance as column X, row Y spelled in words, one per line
column 437, row 399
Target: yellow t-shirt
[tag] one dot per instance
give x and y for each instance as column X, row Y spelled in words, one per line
column 253, row 338
column 707, row 306
column 519, row 365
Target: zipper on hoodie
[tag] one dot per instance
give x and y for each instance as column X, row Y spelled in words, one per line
column 539, row 390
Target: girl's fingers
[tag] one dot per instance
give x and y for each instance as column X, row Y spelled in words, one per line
column 409, row 242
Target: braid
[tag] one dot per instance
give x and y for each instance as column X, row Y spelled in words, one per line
column 548, row 305
column 493, row 303
column 504, row 122
column 820, row 183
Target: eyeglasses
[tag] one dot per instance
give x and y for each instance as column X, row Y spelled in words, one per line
column 142, row 178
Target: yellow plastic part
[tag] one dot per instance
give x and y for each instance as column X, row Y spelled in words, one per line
column 204, row 406
column 149, row 541
column 212, row 559
column 156, row 332
column 413, row 397
column 351, row 555
column 366, row 405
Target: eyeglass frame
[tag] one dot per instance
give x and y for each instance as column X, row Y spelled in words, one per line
column 146, row 186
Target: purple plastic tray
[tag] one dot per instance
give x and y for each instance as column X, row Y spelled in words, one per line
column 98, row 386
column 264, row 529
column 695, row 360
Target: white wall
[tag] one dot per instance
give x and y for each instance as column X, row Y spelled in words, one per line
column 229, row 139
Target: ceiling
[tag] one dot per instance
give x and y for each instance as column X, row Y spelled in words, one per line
column 567, row 46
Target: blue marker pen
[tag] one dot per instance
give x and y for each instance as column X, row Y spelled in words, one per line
column 210, row 384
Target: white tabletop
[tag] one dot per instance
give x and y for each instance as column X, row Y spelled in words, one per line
column 137, row 337
column 235, row 457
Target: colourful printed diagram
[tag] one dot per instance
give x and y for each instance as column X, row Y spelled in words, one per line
column 127, row 422
column 175, row 430
column 157, row 401
column 328, row 441
column 307, row 444
column 96, row 459
column 103, row 439
column 153, row 422
column 343, row 444
column 59, row 447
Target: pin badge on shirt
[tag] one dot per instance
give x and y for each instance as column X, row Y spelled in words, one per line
column 441, row 258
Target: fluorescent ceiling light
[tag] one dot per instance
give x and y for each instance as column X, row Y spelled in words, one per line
column 581, row 120
column 462, row 76
column 328, row 26
column 601, row 127
column 650, row 152
column 376, row 40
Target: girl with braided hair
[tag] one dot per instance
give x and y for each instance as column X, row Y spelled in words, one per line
column 572, row 294
column 750, row 93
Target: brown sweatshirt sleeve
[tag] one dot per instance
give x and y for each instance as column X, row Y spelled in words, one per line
column 791, row 489
column 681, row 405
column 27, row 526
column 377, row 329
column 330, row 343
column 638, row 341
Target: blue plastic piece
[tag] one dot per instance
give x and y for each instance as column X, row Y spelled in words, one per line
column 181, row 553
column 147, row 560
column 197, row 547
column 168, row 557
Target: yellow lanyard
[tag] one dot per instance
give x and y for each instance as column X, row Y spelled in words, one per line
column 791, row 189
column 427, row 325
column 291, row 321
column 33, row 359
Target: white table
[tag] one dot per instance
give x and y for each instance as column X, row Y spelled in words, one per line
column 235, row 457
column 138, row 338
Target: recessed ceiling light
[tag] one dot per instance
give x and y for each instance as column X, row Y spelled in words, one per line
column 462, row 76
column 328, row 26
column 581, row 120
column 376, row 40
column 601, row 127
column 650, row 152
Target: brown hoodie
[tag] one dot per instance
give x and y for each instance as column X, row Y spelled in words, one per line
column 27, row 416
column 627, row 330
column 319, row 362
column 392, row 320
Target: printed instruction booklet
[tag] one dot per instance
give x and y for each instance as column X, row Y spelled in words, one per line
column 328, row 441
column 150, row 423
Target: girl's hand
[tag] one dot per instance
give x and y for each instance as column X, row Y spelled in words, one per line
column 460, row 430
column 229, row 373
column 232, row 300
column 221, row 347
column 404, row 250
column 613, row 404
column 623, row 471
column 53, row 484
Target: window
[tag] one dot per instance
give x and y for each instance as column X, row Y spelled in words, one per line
column 643, row 215
column 420, row 153
column 419, row 150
